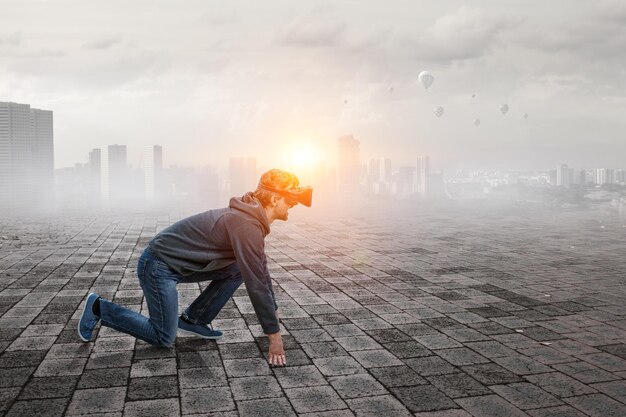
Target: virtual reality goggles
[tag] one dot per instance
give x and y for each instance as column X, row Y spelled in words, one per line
column 301, row 195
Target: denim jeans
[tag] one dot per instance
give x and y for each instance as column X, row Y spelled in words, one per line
column 158, row 283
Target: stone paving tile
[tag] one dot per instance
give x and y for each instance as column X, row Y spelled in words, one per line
column 597, row 405
column 489, row 406
column 376, row 311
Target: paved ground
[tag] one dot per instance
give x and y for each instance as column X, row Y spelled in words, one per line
column 442, row 313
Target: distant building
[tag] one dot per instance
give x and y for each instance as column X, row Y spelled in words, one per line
column 563, row 176
column 604, row 176
column 348, row 165
column 378, row 175
column 620, row 176
column 403, row 185
column 26, row 156
column 113, row 172
column 242, row 175
column 422, row 172
column 152, row 161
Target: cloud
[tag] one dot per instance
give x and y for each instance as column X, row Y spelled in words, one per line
column 103, row 43
column 467, row 34
column 314, row 30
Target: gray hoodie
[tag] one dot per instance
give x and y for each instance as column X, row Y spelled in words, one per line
column 205, row 242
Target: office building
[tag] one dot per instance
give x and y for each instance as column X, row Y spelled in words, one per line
column 604, row 176
column 563, row 176
column 113, row 172
column 26, row 156
column 152, row 161
column 422, row 171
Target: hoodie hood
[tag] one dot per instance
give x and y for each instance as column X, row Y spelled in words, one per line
column 249, row 205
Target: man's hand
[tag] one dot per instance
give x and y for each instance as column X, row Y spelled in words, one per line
column 276, row 355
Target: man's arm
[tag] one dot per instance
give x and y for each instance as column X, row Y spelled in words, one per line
column 248, row 245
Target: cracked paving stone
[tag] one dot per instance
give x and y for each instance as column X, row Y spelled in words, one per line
column 103, row 378
column 597, row 405
column 397, row 376
column 358, row 385
column 526, row 396
column 202, row 377
column 384, row 405
column 490, row 406
column 49, row 387
column 275, row 407
column 254, row 387
column 314, row 399
column 199, row 400
column 98, row 400
column 560, row 384
column 376, row 358
column 152, row 388
column 299, row 376
column 43, row 408
column 423, row 398
column 430, row 365
column 246, row 367
column 458, row 385
column 152, row 408
column 340, row 365
column 491, row 374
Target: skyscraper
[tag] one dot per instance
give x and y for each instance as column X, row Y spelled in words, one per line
column 112, row 174
column 242, row 175
column 379, row 175
column 348, row 164
column 563, row 176
column 422, row 172
column 604, row 176
column 26, row 156
column 153, row 172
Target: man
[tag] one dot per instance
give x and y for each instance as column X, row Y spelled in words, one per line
column 225, row 246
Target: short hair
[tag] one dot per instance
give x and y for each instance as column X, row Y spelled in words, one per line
column 275, row 178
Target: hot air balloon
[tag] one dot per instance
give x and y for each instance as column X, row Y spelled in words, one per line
column 390, row 90
column 525, row 115
column 474, row 95
column 438, row 110
column 504, row 108
column 345, row 101
column 426, row 79
column 476, row 122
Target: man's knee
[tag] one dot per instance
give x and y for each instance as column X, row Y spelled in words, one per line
column 166, row 339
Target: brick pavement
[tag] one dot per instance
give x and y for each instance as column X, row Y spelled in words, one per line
column 440, row 313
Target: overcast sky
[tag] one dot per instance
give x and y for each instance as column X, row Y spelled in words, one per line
column 213, row 79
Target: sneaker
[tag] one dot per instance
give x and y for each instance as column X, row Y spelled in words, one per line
column 204, row 331
column 88, row 319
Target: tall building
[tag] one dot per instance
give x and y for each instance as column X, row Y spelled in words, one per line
column 348, row 165
column 604, row 176
column 94, row 172
column 620, row 176
column 563, row 176
column 153, row 172
column 378, row 175
column 422, row 171
column 26, row 156
column 242, row 175
column 113, row 172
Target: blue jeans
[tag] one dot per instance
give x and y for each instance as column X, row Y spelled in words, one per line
column 158, row 283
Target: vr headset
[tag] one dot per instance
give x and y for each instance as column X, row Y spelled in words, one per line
column 302, row 195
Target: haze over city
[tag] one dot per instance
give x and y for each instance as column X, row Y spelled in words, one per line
column 208, row 80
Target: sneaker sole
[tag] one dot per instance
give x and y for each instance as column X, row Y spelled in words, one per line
column 188, row 333
column 81, row 319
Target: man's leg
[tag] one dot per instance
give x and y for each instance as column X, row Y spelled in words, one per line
column 224, row 283
column 158, row 283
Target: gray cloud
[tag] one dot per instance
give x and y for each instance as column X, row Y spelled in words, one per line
column 103, row 43
column 314, row 30
column 467, row 34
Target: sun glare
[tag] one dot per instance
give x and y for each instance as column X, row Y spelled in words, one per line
column 303, row 155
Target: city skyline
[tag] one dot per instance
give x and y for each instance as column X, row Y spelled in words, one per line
column 258, row 78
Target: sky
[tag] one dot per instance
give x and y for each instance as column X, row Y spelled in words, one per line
column 208, row 80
